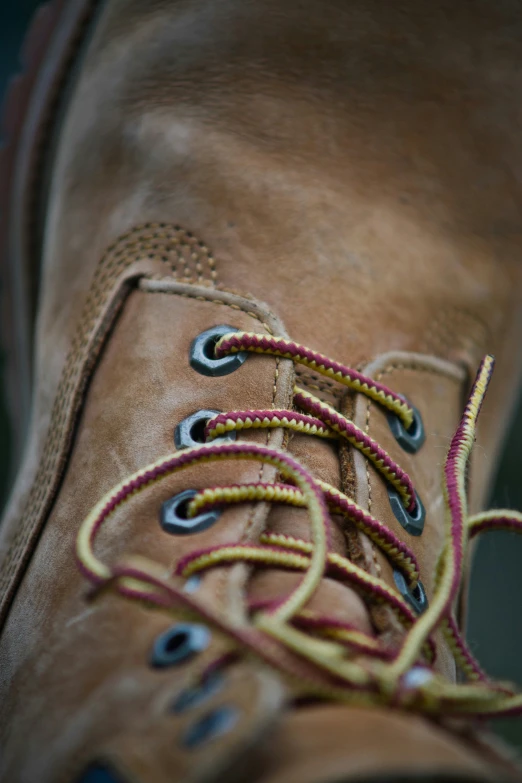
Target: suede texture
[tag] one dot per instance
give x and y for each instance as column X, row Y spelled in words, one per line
column 344, row 174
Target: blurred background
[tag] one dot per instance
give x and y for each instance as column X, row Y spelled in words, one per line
column 495, row 623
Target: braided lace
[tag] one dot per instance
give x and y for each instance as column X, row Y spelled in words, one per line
column 322, row 656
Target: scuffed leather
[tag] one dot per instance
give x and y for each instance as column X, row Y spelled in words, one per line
column 353, row 165
column 142, row 387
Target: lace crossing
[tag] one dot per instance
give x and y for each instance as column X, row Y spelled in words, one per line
column 319, row 654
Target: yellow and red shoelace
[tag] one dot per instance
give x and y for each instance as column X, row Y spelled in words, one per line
column 323, row 656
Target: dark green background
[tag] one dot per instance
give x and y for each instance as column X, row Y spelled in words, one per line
column 495, row 628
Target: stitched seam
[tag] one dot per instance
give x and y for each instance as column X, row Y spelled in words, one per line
column 414, row 365
column 274, row 391
column 248, row 527
column 80, row 360
column 175, row 236
column 389, row 370
column 201, row 298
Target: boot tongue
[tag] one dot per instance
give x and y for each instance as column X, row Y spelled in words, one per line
column 331, row 599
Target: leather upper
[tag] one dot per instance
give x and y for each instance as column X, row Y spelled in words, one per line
column 328, row 190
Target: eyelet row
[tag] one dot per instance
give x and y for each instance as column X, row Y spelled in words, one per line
column 190, row 432
column 410, row 440
column 209, row 726
column 181, row 642
column 176, row 646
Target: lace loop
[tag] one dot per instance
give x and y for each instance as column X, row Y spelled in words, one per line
column 235, row 342
column 338, row 503
column 319, row 654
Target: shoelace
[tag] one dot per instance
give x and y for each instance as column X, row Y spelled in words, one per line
column 324, row 657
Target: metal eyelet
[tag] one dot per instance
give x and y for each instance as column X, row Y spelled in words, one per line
column 410, row 439
column 178, row 644
column 193, row 697
column 412, row 523
column 174, row 519
column 212, row 725
column 202, row 355
column 191, row 431
column 416, row 598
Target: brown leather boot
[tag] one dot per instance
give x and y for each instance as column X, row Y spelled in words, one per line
column 213, row 194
